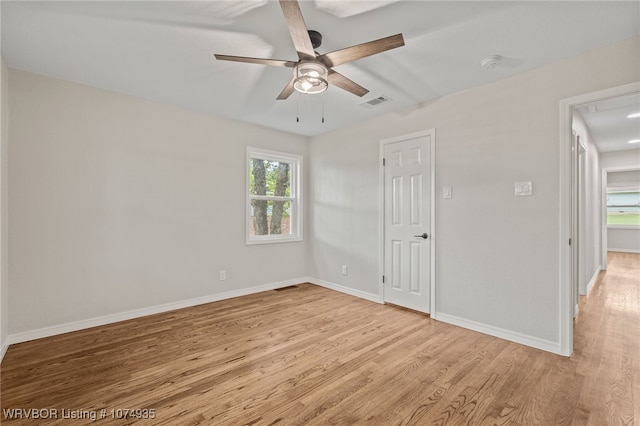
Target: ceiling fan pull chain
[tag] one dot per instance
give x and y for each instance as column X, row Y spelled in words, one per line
column 298, row 108
column 322, row 100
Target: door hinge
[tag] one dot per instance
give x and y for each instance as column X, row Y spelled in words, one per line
column 569, row 241
column 383, row 279
column 384, row 162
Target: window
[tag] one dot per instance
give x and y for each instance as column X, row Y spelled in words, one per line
column 274, row 200
column 623, row 207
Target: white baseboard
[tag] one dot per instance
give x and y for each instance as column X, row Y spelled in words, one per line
column 624, row 250
column 137, row 313
column 527, row 340
column 594, row 279
column 347, row 290
column 524, row 339
column 3, row 349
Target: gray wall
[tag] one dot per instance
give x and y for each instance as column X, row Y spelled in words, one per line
column 620, row 159
column 118, row 204
column 497, row 267
column 4, row 234
column 590, row 210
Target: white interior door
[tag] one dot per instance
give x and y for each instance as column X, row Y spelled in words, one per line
column 408, row 240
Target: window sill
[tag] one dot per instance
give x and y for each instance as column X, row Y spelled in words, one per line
column 623, row 227
column 273, row 240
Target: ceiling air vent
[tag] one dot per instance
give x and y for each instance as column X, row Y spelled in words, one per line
column 375, row 102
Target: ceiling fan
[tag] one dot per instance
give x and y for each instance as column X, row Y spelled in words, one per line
column 313, row 72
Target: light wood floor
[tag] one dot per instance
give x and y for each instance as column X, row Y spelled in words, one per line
column 313, row 356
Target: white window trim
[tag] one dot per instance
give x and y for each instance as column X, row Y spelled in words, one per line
column 623, row 227
column 295, row 199
column 633, row 187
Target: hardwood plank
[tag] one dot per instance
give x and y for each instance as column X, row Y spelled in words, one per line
column 312, row 356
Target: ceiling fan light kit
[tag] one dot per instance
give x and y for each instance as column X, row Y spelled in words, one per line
column 310, row 78
column 313, row 72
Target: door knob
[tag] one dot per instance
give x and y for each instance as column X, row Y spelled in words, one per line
column 424, row 236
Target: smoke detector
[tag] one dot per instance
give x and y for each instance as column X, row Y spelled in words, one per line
column 490, row 61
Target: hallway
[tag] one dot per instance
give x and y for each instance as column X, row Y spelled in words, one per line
column 607, row 345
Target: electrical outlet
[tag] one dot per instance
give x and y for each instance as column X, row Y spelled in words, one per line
column 223, row 275
column 345, row 270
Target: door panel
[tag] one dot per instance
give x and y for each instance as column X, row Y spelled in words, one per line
column 414, row 266
column 396, row 266
column 396, row 200
column 416, row 200
column 407, row 195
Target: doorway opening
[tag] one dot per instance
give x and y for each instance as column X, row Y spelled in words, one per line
column 621, row 206
column 582, row 214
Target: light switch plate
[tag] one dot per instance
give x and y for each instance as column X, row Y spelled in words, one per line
column 523, row 189
column 446, row 192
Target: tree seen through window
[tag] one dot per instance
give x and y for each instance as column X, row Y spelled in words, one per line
column 270, row 179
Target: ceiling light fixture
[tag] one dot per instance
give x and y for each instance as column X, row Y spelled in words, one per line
column 634, row 115
column 310, row 78
column 634, row 141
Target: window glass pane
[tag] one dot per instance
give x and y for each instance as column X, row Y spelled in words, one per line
column 274, row 211
column 623, row 208
column 270, row 178
column 270, row 217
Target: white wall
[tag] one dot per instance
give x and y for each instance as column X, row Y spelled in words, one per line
column 496, row 255
column 629, row 159
column 119, row 204
column 591, row 207
column 4, row 234
column 623, row 240
column 631, row 177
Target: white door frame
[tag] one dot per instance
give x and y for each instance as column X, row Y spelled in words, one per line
column 565, row 338
column 432, row 236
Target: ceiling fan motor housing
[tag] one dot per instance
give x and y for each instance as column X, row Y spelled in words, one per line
column 316, row 38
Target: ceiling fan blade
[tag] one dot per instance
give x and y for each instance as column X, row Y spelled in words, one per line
column 344, row 83
column 287, row 91
column 297, row 29
column 350, row 54
column 271, row 62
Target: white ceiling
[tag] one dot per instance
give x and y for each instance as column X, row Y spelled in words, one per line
column 609, row 123
column 163, row 51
